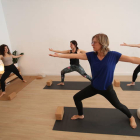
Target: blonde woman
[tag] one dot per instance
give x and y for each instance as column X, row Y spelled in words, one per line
column 137, row 69
column 102, row 62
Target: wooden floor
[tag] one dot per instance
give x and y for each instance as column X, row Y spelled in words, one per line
column 15, row 86
column 30, row 116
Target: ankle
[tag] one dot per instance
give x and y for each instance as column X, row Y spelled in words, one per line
column 81, row 115
column 132, row 118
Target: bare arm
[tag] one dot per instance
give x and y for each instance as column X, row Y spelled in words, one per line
column 77, row 56
column 134, row 60
column 57, row 51
column 1, row 57
column 13, row 56
column 131, row 45
column 82, row 51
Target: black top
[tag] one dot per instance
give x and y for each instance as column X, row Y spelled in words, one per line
column 74, row 61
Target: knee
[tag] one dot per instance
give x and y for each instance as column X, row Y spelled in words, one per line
column 84, row 74
column 62, row 72
column 2, row 80
column 136, row 71
column 75, row 98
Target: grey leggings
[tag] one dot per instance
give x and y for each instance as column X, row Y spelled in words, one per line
column 72, row 68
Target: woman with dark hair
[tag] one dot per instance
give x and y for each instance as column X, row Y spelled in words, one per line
column 102, row 62
column 9, row 67
column 74, row 62
column 137, row 69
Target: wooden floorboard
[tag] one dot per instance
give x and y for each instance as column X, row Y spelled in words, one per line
column 31, row 115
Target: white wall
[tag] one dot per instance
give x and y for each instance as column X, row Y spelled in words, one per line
column 36, row 25
column 4, row 36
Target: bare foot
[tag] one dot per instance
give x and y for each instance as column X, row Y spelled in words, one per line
column 2, row 94
column 133, row 122
column 62, row 84
column 75, row 117
column 24, row 81
column 131, row 84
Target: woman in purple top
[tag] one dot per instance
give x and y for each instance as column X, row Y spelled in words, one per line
column 102, row 62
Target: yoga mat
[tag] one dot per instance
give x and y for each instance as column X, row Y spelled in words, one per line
column 124, row 86
column 69, row 85
column 98, row 120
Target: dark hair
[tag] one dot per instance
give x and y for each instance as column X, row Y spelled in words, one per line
column 74, row 42
column 2, row 49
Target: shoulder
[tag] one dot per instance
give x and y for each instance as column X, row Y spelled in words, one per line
column 81, row 51
column 1, row 56
column 114, row 53
column 91, row 53
column 115, row 56
column 78, row 51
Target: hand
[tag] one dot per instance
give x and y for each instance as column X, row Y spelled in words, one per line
column 51, row 49
column 21, row 54
column 124, row 44
column 54, row 55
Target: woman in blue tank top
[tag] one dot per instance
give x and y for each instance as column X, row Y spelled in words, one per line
column 102, row 62
column 74, row 62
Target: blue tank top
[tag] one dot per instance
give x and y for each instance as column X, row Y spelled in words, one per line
column 103, row 70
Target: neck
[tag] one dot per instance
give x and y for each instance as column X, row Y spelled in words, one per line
column 74, row 49
column 100, row 53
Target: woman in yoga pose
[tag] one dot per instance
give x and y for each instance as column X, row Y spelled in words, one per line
column 102, row 62
column 74, row 62
column 9, row 67
column 137, row 69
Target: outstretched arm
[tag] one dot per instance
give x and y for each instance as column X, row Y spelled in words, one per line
column 57, row 51
column 13, row 56
column 131, row 45
column 134, row 60
column 82, row 56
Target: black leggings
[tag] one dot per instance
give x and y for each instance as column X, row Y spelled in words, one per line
column 135, row 73
column 109, row 94
column 7, row 71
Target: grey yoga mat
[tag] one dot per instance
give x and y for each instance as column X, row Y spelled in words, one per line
column 98, row 120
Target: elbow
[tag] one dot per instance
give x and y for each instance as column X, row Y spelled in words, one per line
column 135, row 60
column 132, row 60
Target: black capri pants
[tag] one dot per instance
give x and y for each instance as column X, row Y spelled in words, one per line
column 7, row 71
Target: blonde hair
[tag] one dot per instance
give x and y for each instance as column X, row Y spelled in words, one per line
column 104, row 42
